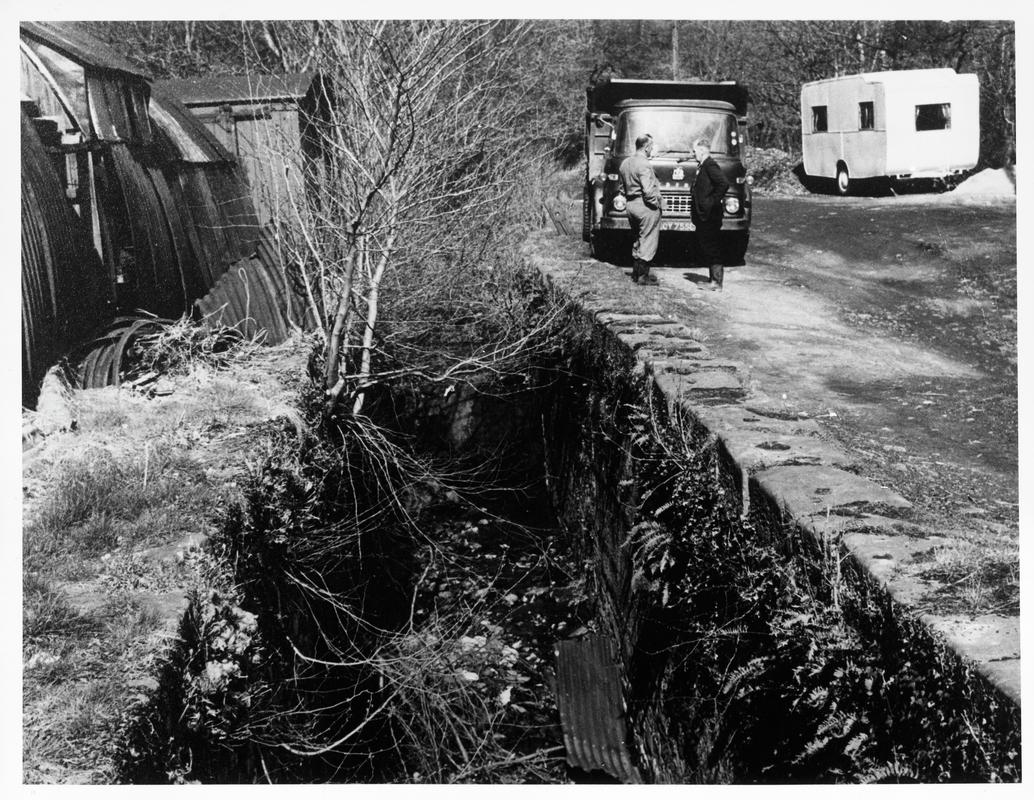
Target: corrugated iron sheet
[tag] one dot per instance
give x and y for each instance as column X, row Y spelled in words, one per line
column 108, row 95
column 70, row 83
column 65, row 289
column 69, row 39
column 592, row 709
column 251, row 297
column 219, row 90
column 180, row 135
column 157, row 276
column 100, row 360
column 175, row 206
column 118, row 107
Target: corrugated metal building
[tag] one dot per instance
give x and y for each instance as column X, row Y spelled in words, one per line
column 128, row 203
column 66, row 294
column 267, row 122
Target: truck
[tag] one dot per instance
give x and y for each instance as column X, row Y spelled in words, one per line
column 899, row 126
column 675, row 113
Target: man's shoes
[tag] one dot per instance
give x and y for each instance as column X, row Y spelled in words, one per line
column 712, row 286
column 646, row 279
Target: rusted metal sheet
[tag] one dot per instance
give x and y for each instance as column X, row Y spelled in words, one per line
column 101, row 359
column 184, row 253
column 154, row 273
column 554, row 212
column 592, row 709
column 181, row 137
column 189, row 222
column 65, row 289
column 118, row 108
column 250, row 297
column 191, row 195
column 217, row 201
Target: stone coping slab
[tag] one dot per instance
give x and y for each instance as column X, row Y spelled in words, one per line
column 783, row 460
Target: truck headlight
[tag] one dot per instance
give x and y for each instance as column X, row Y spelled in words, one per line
column 618, row 202
column 732, row 205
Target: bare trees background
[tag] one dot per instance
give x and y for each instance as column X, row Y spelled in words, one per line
column 560, row 57
column 438, row 129
column 775, row 57
column 421, row 167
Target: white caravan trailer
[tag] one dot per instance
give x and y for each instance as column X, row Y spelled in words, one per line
column 905, row 125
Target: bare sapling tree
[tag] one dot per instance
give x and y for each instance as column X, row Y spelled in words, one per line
column 402, row 237
column 421, row 164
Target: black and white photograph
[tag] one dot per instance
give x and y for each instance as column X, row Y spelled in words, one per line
column 589, row 396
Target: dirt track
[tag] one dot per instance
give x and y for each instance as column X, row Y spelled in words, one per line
column 893, row 321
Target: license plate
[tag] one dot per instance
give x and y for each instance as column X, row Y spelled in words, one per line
column 678, row 226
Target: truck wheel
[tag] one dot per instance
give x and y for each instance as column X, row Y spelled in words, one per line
column 843, row 180
column 734, row 248
column 586, row 215
column 600, row 246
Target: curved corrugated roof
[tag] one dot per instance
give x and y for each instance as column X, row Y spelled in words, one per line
column 188, row 140
column 65, row 288
column 69, row 39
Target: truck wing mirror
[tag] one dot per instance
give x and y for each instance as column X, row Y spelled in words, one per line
column 603, row 119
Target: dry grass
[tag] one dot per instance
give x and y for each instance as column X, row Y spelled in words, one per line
column 975, row 577
column 108, row 510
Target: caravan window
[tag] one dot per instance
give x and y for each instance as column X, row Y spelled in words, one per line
column 866, row 116
column 818, row 119
column 933, row 117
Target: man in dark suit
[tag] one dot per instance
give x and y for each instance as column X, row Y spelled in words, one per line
column 709, row 190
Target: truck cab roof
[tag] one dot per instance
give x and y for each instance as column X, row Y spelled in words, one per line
column 718, row 105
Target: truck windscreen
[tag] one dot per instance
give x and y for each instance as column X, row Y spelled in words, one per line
column 675, row 129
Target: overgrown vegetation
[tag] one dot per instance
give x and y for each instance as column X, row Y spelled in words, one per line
column 114, row 513
column 775, row 171
column 755, row 654
column 181, row 345
column 381, row 627
column 766, row 657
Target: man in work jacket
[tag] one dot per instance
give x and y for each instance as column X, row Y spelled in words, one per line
column 709, row 190
column 643, row 193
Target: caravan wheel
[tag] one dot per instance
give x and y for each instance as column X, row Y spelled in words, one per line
column 843, row 180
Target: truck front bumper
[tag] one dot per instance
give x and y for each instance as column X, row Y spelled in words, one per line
column 677, row 224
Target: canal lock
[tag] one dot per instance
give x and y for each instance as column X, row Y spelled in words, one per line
column 566, row 590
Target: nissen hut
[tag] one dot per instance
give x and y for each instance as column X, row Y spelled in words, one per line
column 128, row 204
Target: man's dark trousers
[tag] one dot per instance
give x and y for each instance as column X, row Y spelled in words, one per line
column 708, row 239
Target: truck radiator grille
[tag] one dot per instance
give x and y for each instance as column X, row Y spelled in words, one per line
column 677, row 203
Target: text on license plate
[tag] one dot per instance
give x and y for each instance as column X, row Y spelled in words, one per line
column 677, row 226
